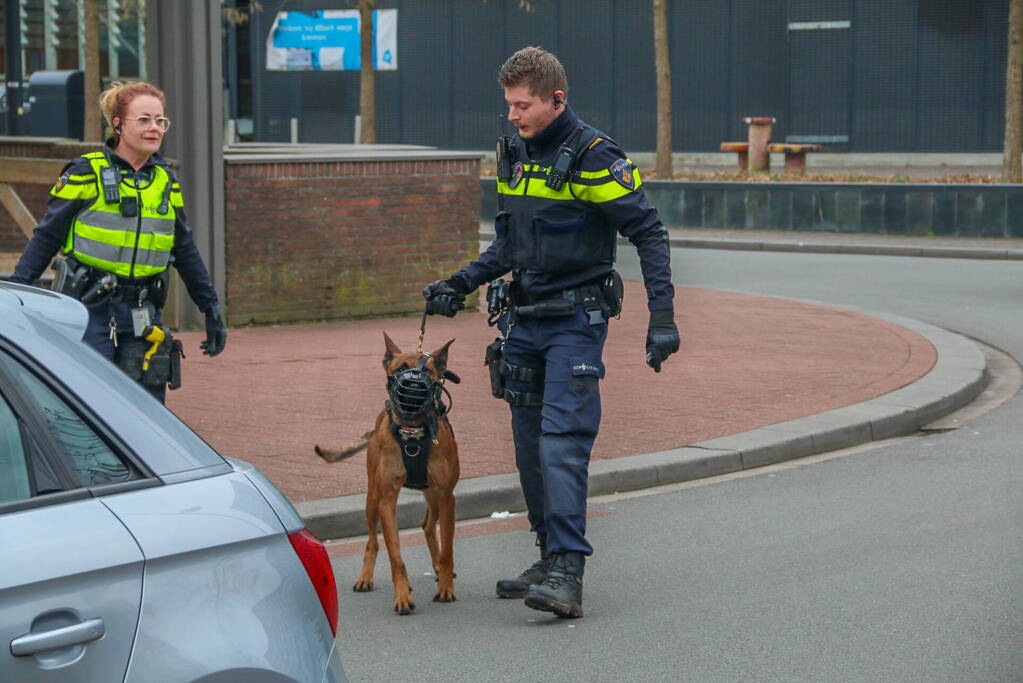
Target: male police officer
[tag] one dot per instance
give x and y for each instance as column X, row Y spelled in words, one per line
column 564, row 188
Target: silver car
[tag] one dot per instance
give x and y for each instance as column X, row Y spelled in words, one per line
column 131, row 551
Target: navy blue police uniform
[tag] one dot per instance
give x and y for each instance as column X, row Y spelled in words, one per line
column 558, row 244
column 74, row 192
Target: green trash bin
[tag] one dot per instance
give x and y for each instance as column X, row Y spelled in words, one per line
column 54, row 105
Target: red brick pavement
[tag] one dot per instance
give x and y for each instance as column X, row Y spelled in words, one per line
column 745, row 362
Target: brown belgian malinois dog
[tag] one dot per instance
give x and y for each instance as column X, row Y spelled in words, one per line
column 411, row 445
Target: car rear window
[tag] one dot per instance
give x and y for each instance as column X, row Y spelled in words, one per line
column 14, row 473
column 87, row 457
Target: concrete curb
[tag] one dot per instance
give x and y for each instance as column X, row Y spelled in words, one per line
column 957, row 378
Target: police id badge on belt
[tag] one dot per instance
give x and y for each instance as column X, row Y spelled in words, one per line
column 141, row 318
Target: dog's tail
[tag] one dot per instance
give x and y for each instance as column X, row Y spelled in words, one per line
column 348, row 451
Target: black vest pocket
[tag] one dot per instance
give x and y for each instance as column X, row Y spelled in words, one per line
column 567, row 239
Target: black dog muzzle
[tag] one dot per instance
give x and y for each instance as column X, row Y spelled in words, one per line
column 413, row 392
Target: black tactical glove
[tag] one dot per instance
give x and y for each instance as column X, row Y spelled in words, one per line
column 442, row 297
column 661, row 338
column 216, row 333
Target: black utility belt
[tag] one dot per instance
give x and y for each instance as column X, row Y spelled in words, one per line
column 601, row 299
column 130, row 290
column 135, row 291
column 575, row 295
column 92, row 285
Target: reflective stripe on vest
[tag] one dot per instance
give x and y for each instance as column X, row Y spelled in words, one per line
column 136, row 246
column 588, row 186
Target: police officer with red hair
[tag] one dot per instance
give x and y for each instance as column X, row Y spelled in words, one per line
column 117, row 217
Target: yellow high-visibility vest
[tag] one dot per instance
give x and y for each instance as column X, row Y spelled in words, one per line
column 136, row 246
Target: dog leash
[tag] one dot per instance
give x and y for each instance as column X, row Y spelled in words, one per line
column 422, row 333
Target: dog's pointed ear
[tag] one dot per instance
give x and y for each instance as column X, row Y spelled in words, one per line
column 392, row 350
column 440, row 358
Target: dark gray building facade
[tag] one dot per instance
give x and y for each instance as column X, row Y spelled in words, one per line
column 862, row 75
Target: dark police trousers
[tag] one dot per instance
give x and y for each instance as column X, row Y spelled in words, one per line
column 97, row 335
column 553, row 442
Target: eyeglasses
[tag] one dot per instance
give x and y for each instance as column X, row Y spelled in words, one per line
column 143, row 121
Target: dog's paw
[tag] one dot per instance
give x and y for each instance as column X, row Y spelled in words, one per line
column 404, row 607
column 445, row 596
column 362, row 586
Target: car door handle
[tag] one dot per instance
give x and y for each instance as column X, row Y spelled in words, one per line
column 76, row 634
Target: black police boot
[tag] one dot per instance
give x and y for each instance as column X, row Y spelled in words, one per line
column 562, row 591
column 517, row 587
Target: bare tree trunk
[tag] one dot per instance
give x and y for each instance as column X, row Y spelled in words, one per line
column 367, row 84
column 93, row 130
column 663, row 66
column 1012, row 166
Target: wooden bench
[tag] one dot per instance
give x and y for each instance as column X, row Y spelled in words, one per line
column 795, row 154
column 742, row 148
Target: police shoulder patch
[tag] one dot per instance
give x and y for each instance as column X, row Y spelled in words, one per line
column 61, row 182
column 517, row 172
column 621, row 170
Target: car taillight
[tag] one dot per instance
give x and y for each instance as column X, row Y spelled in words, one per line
column 314, row 558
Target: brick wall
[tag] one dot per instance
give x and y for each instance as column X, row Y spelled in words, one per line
column 319, row 240
column 322, row 240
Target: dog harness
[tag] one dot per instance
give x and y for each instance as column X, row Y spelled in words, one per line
column 415, row 442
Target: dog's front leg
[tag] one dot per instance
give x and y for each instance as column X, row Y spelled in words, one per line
column 403, row 603
column 430, row 532
column 443, row 503
column 364, row 583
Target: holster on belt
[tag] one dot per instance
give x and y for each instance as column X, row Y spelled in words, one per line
column 159, row 371
column 492, row 359
column 177, row 352
column 73, row 278
column 614, row 293
column 602, row 300
column 133, row 354
column 162, row 366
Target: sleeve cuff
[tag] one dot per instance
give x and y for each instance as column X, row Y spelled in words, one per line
column 460, row 283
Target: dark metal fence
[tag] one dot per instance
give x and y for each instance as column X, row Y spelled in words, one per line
column 862, row 75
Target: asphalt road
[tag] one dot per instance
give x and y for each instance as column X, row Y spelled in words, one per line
column 898, row 561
